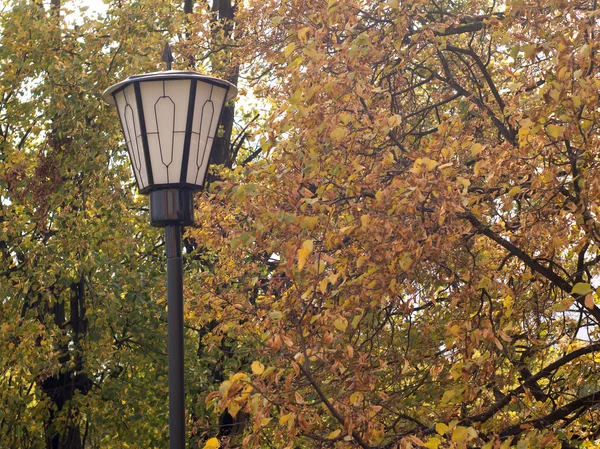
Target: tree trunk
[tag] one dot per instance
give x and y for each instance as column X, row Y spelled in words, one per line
column 221, row 152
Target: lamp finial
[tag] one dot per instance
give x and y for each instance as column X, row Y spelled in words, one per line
column 167, row 56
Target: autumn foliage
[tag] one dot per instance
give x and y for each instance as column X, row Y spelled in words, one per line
column 402, row 250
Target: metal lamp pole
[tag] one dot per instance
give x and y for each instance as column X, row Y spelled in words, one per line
column 173, row 209
column 170, row 121
column 175, row 318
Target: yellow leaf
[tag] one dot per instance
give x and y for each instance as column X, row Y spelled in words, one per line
column 310, row 52
column 476, row 148
column 563, row 305
column 447, row 152
column 334, row 434
column 581, row 288
column 285, row 418
column 345, row 117
column 323, row 285
column 308, row 244
column 303, row 34
column 441, row 428
column 302, row 256
column 265, row 421
column 257, row 367
column 406, row 261
column 213, row 443
column 465, row 183
column 337, row 134
column 289, row 49
column 459, row 434
column 233, row 408
column 360, row 261
column 585, row 51
column 514, row 191
column 365, row 221
column 485, row 282
column 347, row 229
column 394, row 120
column 416, row 169
column 239, row 376
column 356, row 398
column 224, row 387
column 341, row 324
column 554, row 131
column 429, row 164
column 309, row 222
column 432, row 443
column 447, row 396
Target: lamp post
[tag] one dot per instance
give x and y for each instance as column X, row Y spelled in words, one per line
column 169, row 121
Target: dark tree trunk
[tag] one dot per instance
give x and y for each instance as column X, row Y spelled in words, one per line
column 221, row 153
column 61, row 388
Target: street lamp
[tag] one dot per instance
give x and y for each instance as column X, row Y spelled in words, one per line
column 170, row 120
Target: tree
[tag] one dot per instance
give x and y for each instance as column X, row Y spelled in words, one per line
column 407, row 259
column 83, row 316
column 419, row 238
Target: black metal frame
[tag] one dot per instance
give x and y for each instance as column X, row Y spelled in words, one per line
column 188, row 135
column 171, row 206
column 143, row 132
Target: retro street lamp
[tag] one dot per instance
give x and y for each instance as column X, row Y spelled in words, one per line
column 170, row 120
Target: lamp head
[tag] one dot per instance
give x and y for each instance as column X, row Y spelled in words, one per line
column 169, row 120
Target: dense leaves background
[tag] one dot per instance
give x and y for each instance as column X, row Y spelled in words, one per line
column 400, row 248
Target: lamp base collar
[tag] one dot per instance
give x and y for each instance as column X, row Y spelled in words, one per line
column 171, row 206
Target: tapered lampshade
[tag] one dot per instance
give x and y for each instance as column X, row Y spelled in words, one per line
column 170, row 121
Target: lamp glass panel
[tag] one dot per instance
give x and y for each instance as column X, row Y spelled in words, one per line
column 207, row 111
column 128, row 114
column 165, row 114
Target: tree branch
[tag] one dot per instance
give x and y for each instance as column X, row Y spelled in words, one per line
column 531, row 263
column 330, row 406
column 557, row 415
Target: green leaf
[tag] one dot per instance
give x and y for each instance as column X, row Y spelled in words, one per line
column 275, row 315
column 581, row 288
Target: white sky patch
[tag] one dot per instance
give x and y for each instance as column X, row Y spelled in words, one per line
column 84, row 8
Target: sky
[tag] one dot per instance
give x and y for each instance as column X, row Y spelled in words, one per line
column 94, row 7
